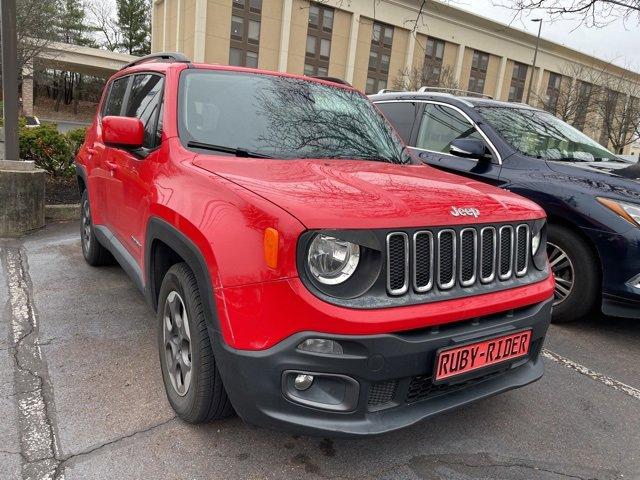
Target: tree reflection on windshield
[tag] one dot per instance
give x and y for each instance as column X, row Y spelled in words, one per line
column 541, row 135
column 284, row 117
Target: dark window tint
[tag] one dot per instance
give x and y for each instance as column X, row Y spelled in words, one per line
column 116, row 97
column 283, row 117
column 442, row 125
column 401, row 115
column 144, row 102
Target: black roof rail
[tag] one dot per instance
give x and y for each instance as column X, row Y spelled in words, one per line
column 332, row 79
column 160, row 56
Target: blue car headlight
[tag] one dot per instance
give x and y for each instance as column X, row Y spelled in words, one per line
column 629, row 211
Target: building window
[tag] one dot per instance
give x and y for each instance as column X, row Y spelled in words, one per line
column 432, row 67
column 318, row 40
column 553, row 91
column 245, row 33
column 610, row 108
column 582, row 107
column 518, row 80
column 379, row 57
column 479, row 66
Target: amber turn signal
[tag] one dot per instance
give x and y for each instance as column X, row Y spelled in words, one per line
column 271, row 237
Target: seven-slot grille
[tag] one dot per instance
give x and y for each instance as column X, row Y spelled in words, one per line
column 446, row 258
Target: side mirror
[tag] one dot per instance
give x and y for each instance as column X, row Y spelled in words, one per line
column 125, row 132
column 468, row 148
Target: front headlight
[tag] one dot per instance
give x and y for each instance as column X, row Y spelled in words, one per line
column 535, row 242
column 332, row 261
column 539, row 244
column 629, row 211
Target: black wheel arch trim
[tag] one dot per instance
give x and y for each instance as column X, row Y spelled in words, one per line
column 158, row 229
column 81, row 175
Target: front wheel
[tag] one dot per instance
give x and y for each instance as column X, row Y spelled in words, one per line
column 575, row 270
column 191, row 379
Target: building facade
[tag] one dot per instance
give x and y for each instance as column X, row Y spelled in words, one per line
column 376, row 44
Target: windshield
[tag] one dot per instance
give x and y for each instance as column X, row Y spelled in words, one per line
column 280, row 117
column 541, row 135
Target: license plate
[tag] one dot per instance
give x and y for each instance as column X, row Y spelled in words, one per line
column 455, row 361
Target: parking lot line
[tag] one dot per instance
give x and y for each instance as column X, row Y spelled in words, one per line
column 599, row 377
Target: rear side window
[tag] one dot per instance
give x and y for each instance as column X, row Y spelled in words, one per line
column 402, row 116
column 117, row 92
column 145, row 102
column 442, row 125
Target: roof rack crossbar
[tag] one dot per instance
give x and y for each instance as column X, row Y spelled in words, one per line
column 453, row 91
column 154, row 57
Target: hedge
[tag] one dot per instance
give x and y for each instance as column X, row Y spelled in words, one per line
column 51, row 150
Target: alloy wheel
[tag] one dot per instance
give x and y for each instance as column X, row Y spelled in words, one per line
column 177, row 343
column 563, row 272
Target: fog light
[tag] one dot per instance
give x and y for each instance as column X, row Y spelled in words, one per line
column 321, row 345
column 303, row 382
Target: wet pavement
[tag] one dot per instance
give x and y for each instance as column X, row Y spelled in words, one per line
column 81, row 397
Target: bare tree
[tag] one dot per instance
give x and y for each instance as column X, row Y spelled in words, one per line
column 618, row 108
column 34, row 28
column 104, row 23
column 576, row 100
column 591, row 13
column 432, row 74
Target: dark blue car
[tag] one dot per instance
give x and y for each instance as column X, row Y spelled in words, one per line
column 592, row 198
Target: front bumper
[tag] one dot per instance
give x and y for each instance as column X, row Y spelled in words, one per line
column 390, row 372
column 620, row 258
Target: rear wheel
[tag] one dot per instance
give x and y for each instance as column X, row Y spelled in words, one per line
column 94, row 253
column 575, row 271
column 191, row 379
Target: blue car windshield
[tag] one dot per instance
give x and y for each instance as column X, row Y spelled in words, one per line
column 282, row 117
column 541, row 135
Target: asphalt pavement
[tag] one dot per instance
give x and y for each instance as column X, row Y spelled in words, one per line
column 81, row 397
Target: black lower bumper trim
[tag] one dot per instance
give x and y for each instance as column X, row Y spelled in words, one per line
column 392, row 371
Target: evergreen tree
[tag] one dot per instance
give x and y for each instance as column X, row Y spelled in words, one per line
column 72, row 26
column 134, row 21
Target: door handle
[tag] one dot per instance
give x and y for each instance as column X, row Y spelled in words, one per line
column 91, row 151
column 111, row 165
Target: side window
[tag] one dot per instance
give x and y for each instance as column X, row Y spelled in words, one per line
column 401, row 115
column 113, row 105
column 145, row 102
column 440, row 126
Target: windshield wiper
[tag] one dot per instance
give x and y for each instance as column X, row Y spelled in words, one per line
column 238, row 152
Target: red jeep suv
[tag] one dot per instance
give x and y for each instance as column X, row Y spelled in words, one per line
column 305, row 272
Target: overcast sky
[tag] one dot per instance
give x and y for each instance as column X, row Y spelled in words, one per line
column 617, row 41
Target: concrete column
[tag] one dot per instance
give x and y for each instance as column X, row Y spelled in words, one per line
column 408, row 60
column 538, row 85
column 179, row 26
column 500, row 82
column 353, row 45
column 199, row 38
column 27, row 89
column 459, row 62
column 285, row 34
column 165, row 25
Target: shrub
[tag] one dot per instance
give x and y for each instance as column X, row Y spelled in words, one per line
column 75, row 138
column 48, row 148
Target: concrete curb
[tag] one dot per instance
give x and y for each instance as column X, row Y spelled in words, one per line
column 57, row 213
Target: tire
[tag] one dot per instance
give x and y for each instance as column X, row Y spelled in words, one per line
column 191, row 379
column 94, row 253
column 575, row 269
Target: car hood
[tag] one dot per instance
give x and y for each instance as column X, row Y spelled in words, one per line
column 610, row 179
column 366, row 194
